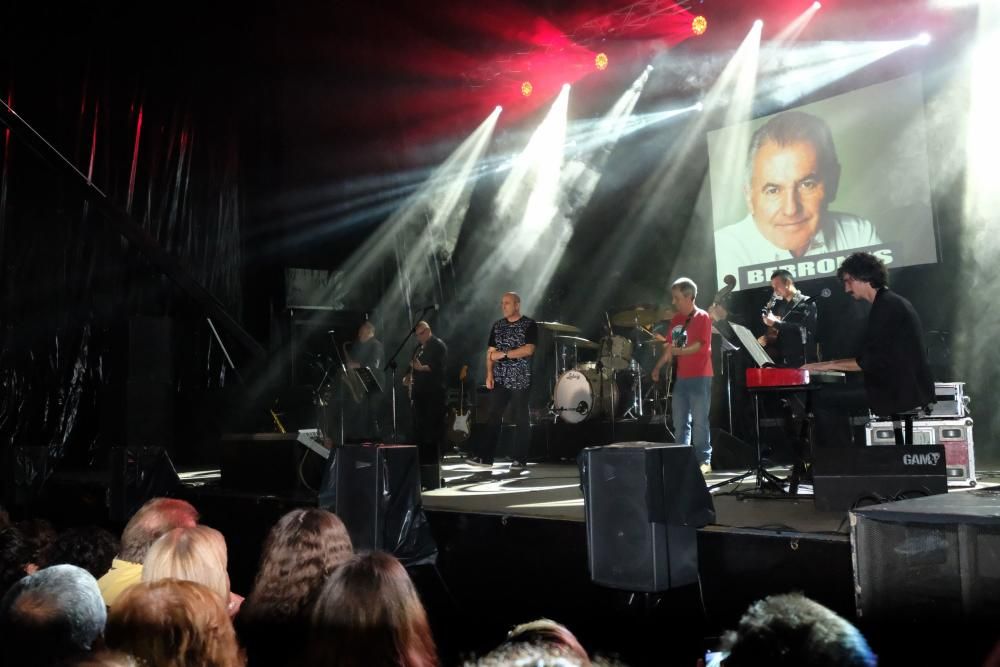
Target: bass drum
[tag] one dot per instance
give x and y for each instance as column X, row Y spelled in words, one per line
column 578, row 395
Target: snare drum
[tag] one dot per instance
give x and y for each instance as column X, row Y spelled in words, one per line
column 616, row 352
column 578, row 395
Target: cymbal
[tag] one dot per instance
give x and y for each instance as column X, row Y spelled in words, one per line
column 559, row 326
column 579, row 342
column 635, row 317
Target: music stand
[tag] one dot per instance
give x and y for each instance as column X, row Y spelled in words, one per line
column 761, row 474
column 368, row 380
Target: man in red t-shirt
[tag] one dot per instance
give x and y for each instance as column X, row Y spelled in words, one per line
column 690, row 342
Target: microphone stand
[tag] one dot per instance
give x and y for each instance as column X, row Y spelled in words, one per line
column 391, row 365
column 340, row 397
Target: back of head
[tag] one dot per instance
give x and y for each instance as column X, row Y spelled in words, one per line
column 301, row 550
column 790, row 629
column 15, row 554
column 195, row 554
column 533, row 653
column 368, row 613
column 39, row 535
column 51, row 615
column 89, row 547
column 545, row 631
column 156, row 517
column 175, row 623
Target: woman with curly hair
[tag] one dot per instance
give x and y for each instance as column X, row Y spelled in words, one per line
column 368, row 613
column 173, row 623
column 302, row 549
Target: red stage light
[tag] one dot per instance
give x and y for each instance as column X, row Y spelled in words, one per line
column 601, row 61
column 526, row 88
column 699, row 25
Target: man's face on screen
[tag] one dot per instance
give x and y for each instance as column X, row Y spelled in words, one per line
column 786, row 194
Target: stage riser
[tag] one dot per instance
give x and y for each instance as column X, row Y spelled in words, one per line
column 739, row 566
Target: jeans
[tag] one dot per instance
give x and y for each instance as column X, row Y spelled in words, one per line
column 498, row 404
column 692, row 398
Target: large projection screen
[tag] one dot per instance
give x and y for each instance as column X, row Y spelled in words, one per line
column 771, row 212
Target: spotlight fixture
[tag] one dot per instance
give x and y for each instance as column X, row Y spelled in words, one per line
column 699, row 24
column 923, row 39
column 526, row 88
column 817, row 4
column 758, row 24
column 601, row 61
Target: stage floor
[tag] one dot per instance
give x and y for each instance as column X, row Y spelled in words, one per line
column 553, row 491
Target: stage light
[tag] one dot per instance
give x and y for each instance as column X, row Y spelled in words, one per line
column 526, row 88
column 699, row 106
column 649, row 68
column 565, row 88
column 601, row 61
column 698, row 25
column 923, row 39
column 817, row 5
column 498, row 109
column 758, row 24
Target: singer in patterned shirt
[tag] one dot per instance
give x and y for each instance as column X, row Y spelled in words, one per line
column 508, row 377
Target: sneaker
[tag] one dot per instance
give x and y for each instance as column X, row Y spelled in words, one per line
column 477, row 462
column 706, row 468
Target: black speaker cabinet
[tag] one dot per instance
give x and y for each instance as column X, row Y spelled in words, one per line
column 138, row 474
column 935, row 558
column 375, row 490
column 844, row 478
column 644, row 502
column 275, row 463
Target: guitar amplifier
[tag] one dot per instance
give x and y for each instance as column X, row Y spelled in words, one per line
column 955, row 435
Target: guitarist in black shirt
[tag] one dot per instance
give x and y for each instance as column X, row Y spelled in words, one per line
column 428, row 394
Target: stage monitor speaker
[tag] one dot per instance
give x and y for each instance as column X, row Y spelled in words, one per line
column 845, row 477
column 933, row 559
column 273, row 463
column 138, row 474
column 643, row 502
column 375, row 490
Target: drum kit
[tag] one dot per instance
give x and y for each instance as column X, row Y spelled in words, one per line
column 610, row 386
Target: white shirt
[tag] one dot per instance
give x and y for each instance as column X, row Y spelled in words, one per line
column 742, row 244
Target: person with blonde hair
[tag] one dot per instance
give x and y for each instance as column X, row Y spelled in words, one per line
column 195, row 554
column 300, row 552
column 173, row 623
column 153, row 519
column 369, row 613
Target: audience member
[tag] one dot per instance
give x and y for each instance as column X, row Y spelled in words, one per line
column 39, row 535
column 790, row 629
column 89, row 547
column 368, row 613
column 14, row 555
column 4, row 518
column 195, row 553
column 51, row 616
column 173, row 623
column 545, row 631
column 301, row 550
column 152, row 520
column 108, row 659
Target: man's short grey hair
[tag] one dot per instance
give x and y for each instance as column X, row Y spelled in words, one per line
column 687, row 287
column 61, row 604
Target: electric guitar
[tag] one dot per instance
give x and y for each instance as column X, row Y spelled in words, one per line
column 458, row 421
